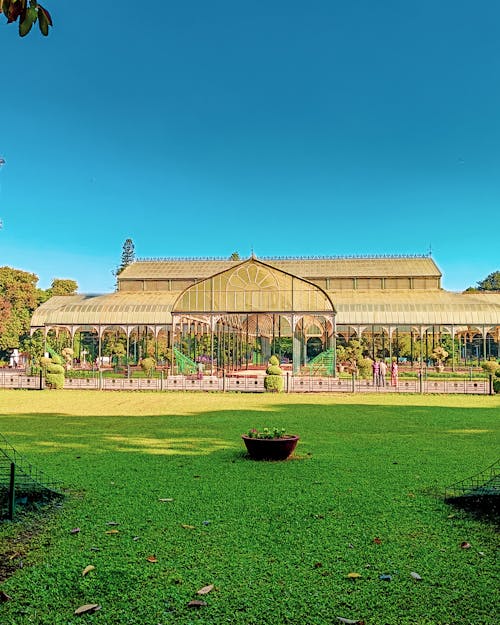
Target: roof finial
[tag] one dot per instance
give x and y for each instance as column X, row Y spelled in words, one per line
column 430, row 249
column 252, row 253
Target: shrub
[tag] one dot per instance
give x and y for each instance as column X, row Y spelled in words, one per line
column 54, row 376
column 68, row 354
column 439, row 355
column 490, row 366
column 148, row 365
column 365, row 368
column 273, row 382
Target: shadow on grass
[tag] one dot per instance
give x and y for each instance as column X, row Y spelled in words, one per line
column 484, row 508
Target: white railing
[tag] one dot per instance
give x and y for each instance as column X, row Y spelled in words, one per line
column 249, row 384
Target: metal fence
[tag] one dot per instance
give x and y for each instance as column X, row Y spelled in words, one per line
column 255, row 384
column 21, row 482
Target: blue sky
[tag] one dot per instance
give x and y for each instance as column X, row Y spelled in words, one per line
column 287, row 127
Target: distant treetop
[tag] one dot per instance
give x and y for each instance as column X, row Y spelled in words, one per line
column 490, row 283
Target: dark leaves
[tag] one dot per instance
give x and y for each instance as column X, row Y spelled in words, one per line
column 15, row 10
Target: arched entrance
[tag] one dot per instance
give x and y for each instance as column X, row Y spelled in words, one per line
column 250, row 311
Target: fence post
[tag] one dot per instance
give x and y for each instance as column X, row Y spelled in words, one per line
column 288, row 381
column 223, row 381
column 161, row 380
column 353, row 382
column 12, row 491
column 420, row 385
column 491, row 384
column 41, row 380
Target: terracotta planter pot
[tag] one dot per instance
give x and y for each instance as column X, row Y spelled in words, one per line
column 270, row 448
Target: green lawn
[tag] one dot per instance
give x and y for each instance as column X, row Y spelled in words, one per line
column 277, row 540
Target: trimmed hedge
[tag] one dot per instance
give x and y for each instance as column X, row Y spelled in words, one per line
column 273, row 382
column 54, row 376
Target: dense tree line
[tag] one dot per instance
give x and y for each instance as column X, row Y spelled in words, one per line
column 19, row 297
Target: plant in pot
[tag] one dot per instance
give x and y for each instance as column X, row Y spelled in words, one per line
column 439, row 355
column 270, row 443
column 273, row 382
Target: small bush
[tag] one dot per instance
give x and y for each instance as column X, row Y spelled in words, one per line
column 365, row 368
column 44, row 361
column 54, row 377
column 273, row 382
column 148, row 365
column 490, row 366
column 57, row 360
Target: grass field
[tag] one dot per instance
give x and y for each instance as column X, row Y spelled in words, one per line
column 277, row 540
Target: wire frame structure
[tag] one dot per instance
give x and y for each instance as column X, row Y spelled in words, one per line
column 21, row 483
column 479, row 494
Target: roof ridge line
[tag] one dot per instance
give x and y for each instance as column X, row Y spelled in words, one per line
column 333, row 257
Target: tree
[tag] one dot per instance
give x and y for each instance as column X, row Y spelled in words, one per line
column 17, row 290
column 490, row 283
column 235, row 256
column 128, row 256
column 62, row 287
column 18, row 10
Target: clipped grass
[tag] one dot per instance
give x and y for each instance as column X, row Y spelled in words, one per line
column 276, row 539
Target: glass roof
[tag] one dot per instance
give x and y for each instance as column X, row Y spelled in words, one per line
column 253, row 286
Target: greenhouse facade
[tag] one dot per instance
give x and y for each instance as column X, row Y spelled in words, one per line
column 231, row 315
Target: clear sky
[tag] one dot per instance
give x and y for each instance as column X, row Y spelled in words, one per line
column 293, row 128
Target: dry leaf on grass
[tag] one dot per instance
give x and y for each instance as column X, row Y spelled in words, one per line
column 113, row 532
column 377, row 540
column 165, row 499
column 187, row 527
column 87, row 569
column 88, row 608
column 196, row 603
column 465, row 545
column 353, row 575
column 4, row 596
column 205, row 590
column 349, row 621
column 75, row 530
column 151, row 559
column 415, row 576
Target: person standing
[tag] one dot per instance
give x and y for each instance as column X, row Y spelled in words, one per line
column 394, row 373
column 375, row 369
column 382, row 372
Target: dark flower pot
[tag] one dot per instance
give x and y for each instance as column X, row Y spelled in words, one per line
column 270, row 448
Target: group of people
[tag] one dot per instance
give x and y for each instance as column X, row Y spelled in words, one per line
column 380, row 370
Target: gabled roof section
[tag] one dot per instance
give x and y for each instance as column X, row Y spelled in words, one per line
column 319, row 267
column 253, row 286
